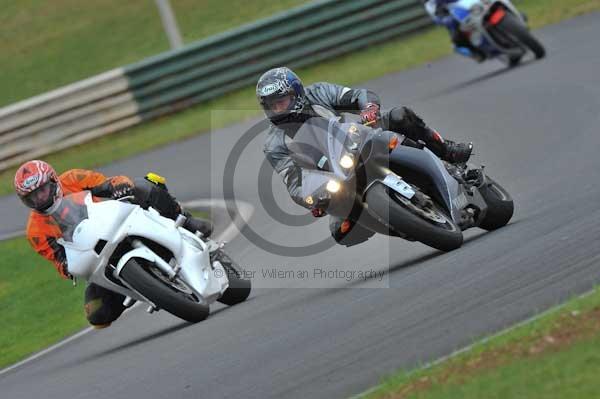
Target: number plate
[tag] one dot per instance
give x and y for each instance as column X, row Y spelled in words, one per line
column 400, row 186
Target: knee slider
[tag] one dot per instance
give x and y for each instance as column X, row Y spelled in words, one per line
column 356, row 234
column 98, row 313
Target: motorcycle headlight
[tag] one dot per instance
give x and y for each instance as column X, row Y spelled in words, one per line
column 333, row 186
column 347, row 161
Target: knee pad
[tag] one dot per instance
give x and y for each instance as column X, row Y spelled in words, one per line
column 102, row 306
column 100, row 314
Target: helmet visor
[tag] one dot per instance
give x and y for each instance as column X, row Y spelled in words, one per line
column 42, row 197
column 279, row 104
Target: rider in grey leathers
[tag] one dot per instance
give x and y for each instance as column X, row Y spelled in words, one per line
column 288, row 104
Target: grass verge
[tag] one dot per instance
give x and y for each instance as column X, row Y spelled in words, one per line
column 392, row 56
column 200, row 214
column 556, row 356
column 46, row 44
column 37, row 307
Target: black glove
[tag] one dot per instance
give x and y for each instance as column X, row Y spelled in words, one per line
column 107, row 190
column 103, row 190
column 121, row 190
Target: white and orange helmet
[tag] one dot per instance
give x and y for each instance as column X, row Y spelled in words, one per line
column 37, row 185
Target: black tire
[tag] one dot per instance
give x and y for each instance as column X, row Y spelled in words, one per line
column 500, row 205
column 382, row 203
column 164, row 296
column 513, row 27
column 239, row 288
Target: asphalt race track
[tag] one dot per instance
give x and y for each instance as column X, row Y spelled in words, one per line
column 535, row 128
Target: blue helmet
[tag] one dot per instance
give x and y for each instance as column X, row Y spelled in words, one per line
column 281, row 94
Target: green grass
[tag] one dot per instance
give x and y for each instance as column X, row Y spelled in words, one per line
column 37, row 307
column 572, row 373
column 556, row 356
column 195, row 213
column 47, row 44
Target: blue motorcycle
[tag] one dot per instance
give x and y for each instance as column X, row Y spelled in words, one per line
column 495, row 27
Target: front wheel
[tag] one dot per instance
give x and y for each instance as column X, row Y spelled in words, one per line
column 173, row 296
column 514, row 28
column 429, row 225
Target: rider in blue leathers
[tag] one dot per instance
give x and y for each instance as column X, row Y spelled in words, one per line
column 438, row 11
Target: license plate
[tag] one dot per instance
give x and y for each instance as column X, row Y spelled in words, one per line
column 400, row 186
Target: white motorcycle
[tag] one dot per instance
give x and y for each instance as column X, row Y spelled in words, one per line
column 146, row 257
column 497, row 28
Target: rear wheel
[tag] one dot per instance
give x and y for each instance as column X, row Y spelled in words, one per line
column 239, row 288
column 500, row 205
column 173, row 296
column 513, row 27
column 429, row 225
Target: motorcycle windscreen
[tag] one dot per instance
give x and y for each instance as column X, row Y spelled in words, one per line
column 69, row 213
column 309, row 147
column 345, row 138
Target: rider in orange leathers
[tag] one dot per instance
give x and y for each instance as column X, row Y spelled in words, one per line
column 41, row 189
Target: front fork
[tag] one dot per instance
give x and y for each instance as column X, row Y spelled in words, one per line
column 172, row 271
column 471, row 180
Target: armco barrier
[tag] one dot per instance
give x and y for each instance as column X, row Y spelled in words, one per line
column 203, row 70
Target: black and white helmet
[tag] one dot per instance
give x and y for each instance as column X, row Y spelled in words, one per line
column 281, row 94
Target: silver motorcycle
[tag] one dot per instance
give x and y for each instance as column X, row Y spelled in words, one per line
column 392, row 185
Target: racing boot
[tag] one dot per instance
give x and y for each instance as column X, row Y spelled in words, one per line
column 457, row 152
column 404, row 120
column 196, row 224
column 448, row 150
